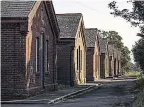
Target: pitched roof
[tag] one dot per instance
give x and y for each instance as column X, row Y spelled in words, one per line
column 16, row 8
column 68, row 24
column 103, row 45
column 91, row 35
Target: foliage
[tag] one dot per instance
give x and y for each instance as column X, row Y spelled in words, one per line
column 114, row 38
column 139, row 84
column 132, row 73
column 139, row 97
column 125, row 58
column 138, row 52
column 135, row 67
column 135, row 17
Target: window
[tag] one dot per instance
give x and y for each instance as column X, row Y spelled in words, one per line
column 37, row 54
column 81, row 61
column 77, row 59
column 46, row 55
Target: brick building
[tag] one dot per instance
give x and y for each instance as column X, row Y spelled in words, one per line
column 29, row 31
column 71, row 49
column 111, row 60
column 92, row 55
column 117, row 62
column 104, row 58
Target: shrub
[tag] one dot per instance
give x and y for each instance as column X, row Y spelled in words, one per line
column 139, row 84
column 139, row 99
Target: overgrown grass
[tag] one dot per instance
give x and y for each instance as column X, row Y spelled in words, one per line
column 132, row 74
column 139, row 96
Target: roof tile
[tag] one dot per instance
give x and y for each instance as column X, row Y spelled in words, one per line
column 91, row 35
column 68, row 24
column 16, row 8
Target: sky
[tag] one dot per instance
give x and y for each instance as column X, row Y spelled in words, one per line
column 96, row 14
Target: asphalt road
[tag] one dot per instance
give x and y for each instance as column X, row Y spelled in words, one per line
column 116, row 93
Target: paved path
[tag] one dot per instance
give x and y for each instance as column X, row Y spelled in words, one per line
column 113, row 93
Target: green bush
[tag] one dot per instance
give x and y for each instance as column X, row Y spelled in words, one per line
column 133, row 73
column 139, row 84
column 139, row 99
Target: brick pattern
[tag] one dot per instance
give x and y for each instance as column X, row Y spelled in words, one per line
column 19, row 77
column 12, row 58
column 35, row 31
column 102, row 65
column 67, row 60
column 89, row 64
column 63, row 63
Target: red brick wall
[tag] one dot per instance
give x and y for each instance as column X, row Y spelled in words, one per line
column 63, row 63
column 17, row 52
column 89, row 64
column 12, row 60
column 35, row 29
column 102, row 65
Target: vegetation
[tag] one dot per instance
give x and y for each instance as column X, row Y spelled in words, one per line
column 132, row 73
column 114, row 38
column 138, row 52
column 139, row 96
column 136, row 18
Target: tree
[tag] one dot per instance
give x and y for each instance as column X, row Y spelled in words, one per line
column 125, row 58
column 138, row 52
column 135, row 17
column 114, row 38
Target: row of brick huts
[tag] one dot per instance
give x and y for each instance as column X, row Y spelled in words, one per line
column 41, row 49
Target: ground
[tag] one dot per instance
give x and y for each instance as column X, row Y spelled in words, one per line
column 113, row 93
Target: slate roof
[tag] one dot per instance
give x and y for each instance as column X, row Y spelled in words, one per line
column 91, row 36
column 103, row 45
column 16, row 8
column 68, row 24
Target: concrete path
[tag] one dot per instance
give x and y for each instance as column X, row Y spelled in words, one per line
column 52, row 97
column 114, row 93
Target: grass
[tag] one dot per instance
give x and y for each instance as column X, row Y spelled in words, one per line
column 139, row 95
column 132, row 74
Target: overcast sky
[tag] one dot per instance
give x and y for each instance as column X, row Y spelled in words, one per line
column 97, row 15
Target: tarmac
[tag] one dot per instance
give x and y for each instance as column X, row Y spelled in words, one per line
column 57, row 96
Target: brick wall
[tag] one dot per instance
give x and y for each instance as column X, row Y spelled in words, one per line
column 80, row 75
column 35, row 28
column 63, row 63
column 19, row 76
column 89, row 64
column 12, row 60
column 102, row 65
